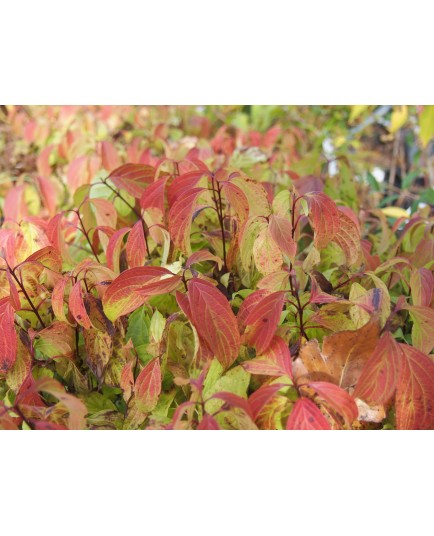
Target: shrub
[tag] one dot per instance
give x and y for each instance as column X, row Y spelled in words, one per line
column 154, row 280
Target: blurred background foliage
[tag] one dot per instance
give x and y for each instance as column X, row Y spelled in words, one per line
column 363, row 155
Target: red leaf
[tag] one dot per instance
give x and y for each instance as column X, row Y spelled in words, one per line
column 263, row 320
column 235, row 401
column 317, row 295
column 184, row 184
column 47, row 425
column 337, row 399
column 14, row 207
column 148, row 386
column 262, row 396
column 325, row 218
column 308, row 183
column 122, row 296
column 13, row 292
column 105, row 212
column 6, row 421
column 55, row 235
column 379, row 377
column 114, row 247
column 77, row 308
column 109, row 156
column 202, row 256
column 136, row 246
column 248, row 306
column 81, row 170
column 179, row 413
column 214, row 321
column 208, row 422
column 275, row 361
column 48, row 194
column 8, row 336
column 415, row 392
column 134, row 178
column 306, row 416
column 153, row 196
column 281, row 232
column 180, row 218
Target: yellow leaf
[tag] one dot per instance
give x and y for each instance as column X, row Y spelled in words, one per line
column 266, row 253
column 426, row 123
column 399, row 118
column 339, row 141
column 357, row 110
column 394, row 212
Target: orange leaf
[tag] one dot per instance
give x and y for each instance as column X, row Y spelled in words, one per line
column 347, row 237
column 202, row 256
column 126, row 382
column 379, row 377
column 147, row 388
column 281, row 232
column 422, row 286
column 415, row 392
column 237, row 201
column 342, row 358
column 325, row 218
column 58, row 297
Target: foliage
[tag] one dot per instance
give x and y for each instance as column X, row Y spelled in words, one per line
column 216, row 268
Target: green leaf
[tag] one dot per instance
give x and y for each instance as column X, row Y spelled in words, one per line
column 139, row 324
column 372, row 181
column 234, row 381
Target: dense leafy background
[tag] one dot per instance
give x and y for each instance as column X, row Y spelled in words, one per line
column 232, row 267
